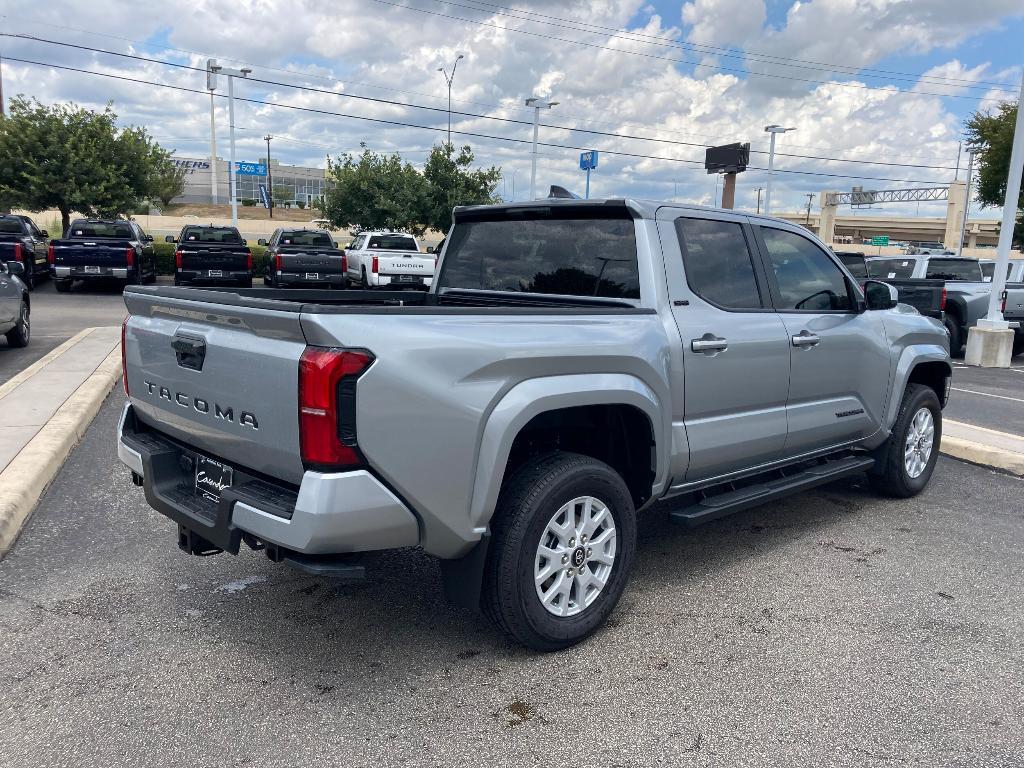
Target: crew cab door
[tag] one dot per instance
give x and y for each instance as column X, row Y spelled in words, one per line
column 735, row 353
column 839, row 374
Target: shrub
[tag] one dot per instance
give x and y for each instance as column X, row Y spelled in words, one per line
column 248, row 203
column 165, row 258
column 301, row 204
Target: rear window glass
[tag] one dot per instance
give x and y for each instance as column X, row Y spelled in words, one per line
column 10, row 226
column 101, row 229
column 211, row 235
column 890, row 269
column 392, row 243
column 855, row 263
column 954, row 269
column 575, row 254
column 306, row 238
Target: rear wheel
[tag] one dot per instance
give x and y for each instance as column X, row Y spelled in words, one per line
column 956, row 343
column 562, row 546
column 29, row 278
column 906, row 460
column 62, row 286
column 19, row 335
column 364, row 283
column 245, row 283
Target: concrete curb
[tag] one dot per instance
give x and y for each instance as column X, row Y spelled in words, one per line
column 12, row 383
column 979, row 453
column 35, row 466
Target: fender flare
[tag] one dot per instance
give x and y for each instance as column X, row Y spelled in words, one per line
column 535, row 396
column 911, row 356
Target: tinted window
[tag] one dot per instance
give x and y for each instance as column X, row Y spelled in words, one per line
column 211, row 235
column 118, row 229
column 854, row 262
column 717, row 261
column 890, row 269
column 306, row 238
column 808, row 279
column 10, row 226
column 988, row 271
column 392, row 243
column 575, row 254
column 954, row 269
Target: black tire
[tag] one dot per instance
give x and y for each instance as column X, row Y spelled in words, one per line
column 528, row 502
column 956, row 343
column 890, row 475
column 363, row 282
column 29, row 278
column 245, row 283
column 62, row 286
column 19, row 335
column 1018, row 344
column 268, row 281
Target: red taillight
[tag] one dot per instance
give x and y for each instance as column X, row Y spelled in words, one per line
column 278, row 263
column 17, row 252
column 51, row 257
column 1002, row 302
column 436, row 257
column 375, row 266
column 942, row 301
column 248, row 260
column 327, row 400
column 177, row 259
column 124, row 360
column 344, row 262
column 129, row 255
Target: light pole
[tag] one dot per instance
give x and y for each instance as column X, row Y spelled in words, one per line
column 270, row 180
column 537, row 105
column 211, row 86
column 772, row 129
column 449, row 79
column 231, row 74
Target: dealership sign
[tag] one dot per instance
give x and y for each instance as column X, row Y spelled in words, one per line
column 251, row 169
column 191, row 166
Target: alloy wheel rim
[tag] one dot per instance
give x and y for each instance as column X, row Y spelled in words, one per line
column 575, row 556
column 917, row 449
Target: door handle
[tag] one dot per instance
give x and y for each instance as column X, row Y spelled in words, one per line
column 806, row 339
column 709, row 344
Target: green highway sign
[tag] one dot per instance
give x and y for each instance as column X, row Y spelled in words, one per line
column 880, row 240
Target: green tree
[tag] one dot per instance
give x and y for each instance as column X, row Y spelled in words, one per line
column 168, row 180
column 375, row 192
column 451, row 181
column 991, row 136
column 74, row 159
column 282, row 195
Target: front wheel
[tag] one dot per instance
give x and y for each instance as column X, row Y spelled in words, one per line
column 906, row 460
column 563, row 541
column 19, row 335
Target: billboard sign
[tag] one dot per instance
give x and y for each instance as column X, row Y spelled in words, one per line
column 728, row 158
column 588, row 160
column 251, row 169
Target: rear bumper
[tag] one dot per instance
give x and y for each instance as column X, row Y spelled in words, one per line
column 204, row 276
column 327, row 514
column 300, row 278
column 90, row 273
column 397, row 282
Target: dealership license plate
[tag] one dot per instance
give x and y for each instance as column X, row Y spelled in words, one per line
column 405, row 279
column 216, row 273
column 92, row 270
column 212, row 477
column 312, row 275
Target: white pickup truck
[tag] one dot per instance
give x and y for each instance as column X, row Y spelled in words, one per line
column 392, row 259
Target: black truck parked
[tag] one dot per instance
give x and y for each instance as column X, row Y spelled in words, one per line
column 307, row 257
column 22, row 241
column 211, row 255
column 926, row 296
column 101, row 249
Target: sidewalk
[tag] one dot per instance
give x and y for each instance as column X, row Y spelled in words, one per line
column 44, row 411
column 981, row 445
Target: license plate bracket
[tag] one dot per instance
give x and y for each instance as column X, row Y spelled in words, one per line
column 312, row 275
column 212, row 477
column 92, row 270
column 216, row 273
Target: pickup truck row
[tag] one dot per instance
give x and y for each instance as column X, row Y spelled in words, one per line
column 573, row 362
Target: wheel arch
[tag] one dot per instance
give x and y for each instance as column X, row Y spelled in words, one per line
column 926, row 364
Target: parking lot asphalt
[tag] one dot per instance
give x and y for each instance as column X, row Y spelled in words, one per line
column 989, row 397
column 835, row 628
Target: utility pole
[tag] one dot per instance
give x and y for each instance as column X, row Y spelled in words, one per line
column 211, row 85
column 231, row 74
column 2, row 113
column 810, row 199
column 967, row 201
column 772, row 129
column 270, row 180
column 450, row 79
column 537, row 104
column 759, row 199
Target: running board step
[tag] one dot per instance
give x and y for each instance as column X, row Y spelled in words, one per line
column 720, row 505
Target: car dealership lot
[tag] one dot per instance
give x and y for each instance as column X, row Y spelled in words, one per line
column 989, row 397
column 833, row 626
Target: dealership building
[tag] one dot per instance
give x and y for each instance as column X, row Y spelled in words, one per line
column 302, row 184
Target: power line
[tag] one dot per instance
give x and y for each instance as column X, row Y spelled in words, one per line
column 669, row 58
column 608, row 134
column 399, row 123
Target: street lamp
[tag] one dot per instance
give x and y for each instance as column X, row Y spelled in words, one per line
column 537, row 105
column 772, row 129
column 211, row 86
column 270, row 181
column 231, row 74
column 449, row 79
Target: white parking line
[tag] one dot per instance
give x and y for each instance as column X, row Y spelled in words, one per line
column 987, row 394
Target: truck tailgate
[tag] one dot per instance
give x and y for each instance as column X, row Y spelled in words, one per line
column 312, row 261
column 87, row 253
column 397, row 263
column 191, row 375
column 198, row 257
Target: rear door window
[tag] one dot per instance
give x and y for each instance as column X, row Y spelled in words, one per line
column 718, row 263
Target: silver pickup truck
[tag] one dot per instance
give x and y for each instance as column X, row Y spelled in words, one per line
column 574, row 362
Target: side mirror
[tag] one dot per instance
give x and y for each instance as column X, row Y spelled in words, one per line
column 879, row 295
column 16, row 268
column 430, row 249
column 149, row 238
column 44, row 233
column 170, row 239
column 261, row 241
column 245, row 242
